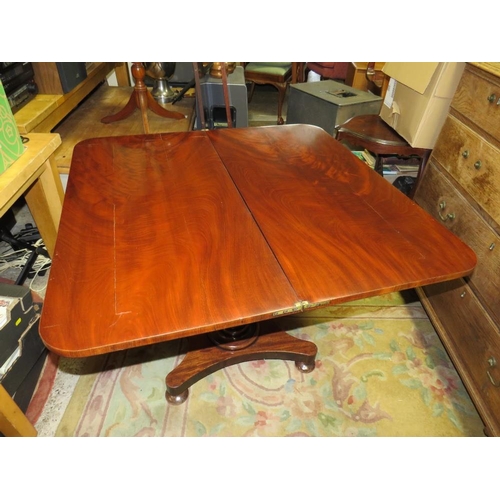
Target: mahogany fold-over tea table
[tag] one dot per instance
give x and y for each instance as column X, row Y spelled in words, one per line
column 209, row 235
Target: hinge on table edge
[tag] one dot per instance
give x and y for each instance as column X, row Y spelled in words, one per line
column 300, row 306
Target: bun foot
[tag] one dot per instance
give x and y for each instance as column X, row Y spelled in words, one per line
column 305, row 367
column 177, row 399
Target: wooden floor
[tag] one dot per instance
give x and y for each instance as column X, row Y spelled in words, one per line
column 85, row 121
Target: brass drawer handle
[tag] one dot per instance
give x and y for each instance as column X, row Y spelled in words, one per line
column 492, row 362
column 492, row 98
column 477, row 164
column 465, row 153
column 449, row 216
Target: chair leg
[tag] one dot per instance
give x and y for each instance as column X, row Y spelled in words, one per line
column 379, row 166
column 423, row 162
column 281, row 99
column 252, row 88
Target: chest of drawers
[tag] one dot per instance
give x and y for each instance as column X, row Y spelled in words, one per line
column 460, row 187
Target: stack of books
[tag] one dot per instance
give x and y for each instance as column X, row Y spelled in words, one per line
column 393, row 167
column 366, row 156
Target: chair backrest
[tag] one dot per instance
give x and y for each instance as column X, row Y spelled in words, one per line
column 330, row 70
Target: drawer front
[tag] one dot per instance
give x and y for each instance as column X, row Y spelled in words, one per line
column 438, row 196
column 474, row 340
column 479, row 100
column 473, row 162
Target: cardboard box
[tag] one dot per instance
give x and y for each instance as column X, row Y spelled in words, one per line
column 418, row 99
column 11, row 146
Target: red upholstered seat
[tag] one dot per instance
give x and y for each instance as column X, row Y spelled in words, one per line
column 330, row 70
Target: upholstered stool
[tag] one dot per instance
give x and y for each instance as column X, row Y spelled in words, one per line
column 277, row 74
column 372, row 133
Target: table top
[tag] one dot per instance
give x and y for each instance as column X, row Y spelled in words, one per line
column 165, row 236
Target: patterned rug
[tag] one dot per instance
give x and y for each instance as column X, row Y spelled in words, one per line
column 381, row 370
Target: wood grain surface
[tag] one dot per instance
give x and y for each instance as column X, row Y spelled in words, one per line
column 171, row 235
column 473, row 163
column 439, row 197
column 472, row 339
column 338, row 229
column 204, row 357
column 155, row 243
column 472, row 100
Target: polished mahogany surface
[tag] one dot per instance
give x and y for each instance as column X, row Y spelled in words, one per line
column 373, row 128
column 171, row 235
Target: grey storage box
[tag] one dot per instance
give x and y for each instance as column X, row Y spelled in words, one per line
column 213, row 100
column 17, row 312
column 328, row 104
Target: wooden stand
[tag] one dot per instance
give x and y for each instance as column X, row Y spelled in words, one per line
column 206, row 356
column 34, row 176
column 141, row 99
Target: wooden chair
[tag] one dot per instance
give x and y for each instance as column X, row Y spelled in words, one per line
column 372, row 133
column 329, row 70
column 277, row 74
column 377, row 81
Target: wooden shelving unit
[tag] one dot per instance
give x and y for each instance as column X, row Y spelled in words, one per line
column 45, row 111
